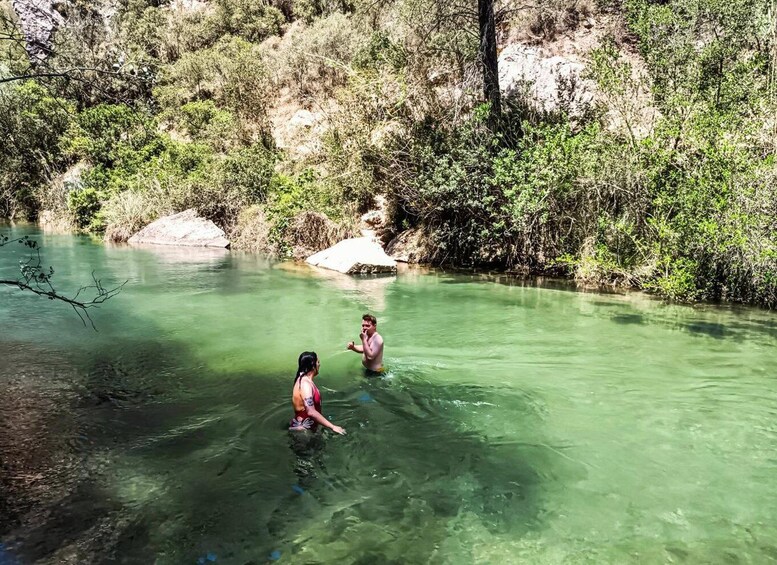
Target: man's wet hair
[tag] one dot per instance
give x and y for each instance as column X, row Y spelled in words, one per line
column 370, row 318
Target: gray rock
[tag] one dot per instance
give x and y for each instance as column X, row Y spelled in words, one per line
column 358, row 255
column 185, row 228
column 547, row 84
column 39, row 19
column 304, row 119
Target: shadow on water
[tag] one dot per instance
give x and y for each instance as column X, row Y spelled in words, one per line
column 627, row 319
column 408, row 472
column 139, row 466
column 62, row 424
column 718, row 331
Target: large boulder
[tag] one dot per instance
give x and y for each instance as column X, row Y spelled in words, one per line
column 359, row 255
column 39, row 20
column 185, row 228
column 547, row 84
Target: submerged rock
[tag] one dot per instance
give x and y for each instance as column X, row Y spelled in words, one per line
column 359, row 255
column 185, row 228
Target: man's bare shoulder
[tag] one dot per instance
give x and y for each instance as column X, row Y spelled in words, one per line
column 378, row 338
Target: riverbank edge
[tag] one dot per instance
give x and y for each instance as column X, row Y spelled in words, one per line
column 555, row 277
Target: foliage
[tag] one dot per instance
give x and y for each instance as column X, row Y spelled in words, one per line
column 708, row 51
column 31, row 123
column 314, row 60
column 231, row 74
column 310, row 10
column 174, row 108
column 205, row 122
column 109, row 135
column 291, row 198
column 253, row 21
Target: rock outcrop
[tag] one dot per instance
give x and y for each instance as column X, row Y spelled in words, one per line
column 374, row 223
column 410, row 246
column 185, row 228
column 547, row 84
column 39, row 19
column 359, row 255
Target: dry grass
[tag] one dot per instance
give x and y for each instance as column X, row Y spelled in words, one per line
column 126, row 214
column 252, row 232
column 311, row 232
column 548, row 20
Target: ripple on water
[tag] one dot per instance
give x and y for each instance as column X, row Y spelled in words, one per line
column 516, row 425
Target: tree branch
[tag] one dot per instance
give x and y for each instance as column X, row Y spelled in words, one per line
column 37, row 280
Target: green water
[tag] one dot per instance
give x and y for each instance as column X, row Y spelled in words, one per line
column 517, row 424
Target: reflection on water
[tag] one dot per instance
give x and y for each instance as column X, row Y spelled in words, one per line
column 369, row 290
column 516, row 425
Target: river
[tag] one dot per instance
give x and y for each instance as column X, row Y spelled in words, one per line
column 518, row 422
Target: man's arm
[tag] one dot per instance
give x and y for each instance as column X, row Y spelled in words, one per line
column 376, row 347
column 372, row 348
column 356, row 348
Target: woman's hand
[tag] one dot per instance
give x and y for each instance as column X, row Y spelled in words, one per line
column 338, row 430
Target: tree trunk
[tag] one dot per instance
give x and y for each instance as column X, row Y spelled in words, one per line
column 488, row 56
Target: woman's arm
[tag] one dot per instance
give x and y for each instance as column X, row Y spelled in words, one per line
column 310, row 408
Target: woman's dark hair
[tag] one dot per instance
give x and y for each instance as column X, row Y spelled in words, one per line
column 307, row 363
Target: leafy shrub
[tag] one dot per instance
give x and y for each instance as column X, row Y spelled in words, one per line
column 204, row 122
column 314, row 60
column 253, row 21
column 309, row 10
column 110, row 134
column 31, row 123
column 85, row 204
column 291, row 198
column 231, row 74
column 379, row 51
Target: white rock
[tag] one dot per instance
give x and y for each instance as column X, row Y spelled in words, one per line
column 359, row 255
column 548, row 84
column 303, row 119
column 185, row 228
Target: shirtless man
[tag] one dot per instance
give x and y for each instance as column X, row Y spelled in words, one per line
column 372, row 345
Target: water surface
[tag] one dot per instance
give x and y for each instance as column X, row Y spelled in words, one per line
column 517, row 423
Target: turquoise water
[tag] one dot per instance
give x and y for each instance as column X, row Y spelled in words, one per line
column 518, row 423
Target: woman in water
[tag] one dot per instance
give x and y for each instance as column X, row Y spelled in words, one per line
column 306, row 399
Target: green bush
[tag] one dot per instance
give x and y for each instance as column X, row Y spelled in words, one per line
column 231, row 74
column 305, row 199
column 31, row 123
column 85, row 204
column 111, row 135
column 253, row 21
column 315, row 60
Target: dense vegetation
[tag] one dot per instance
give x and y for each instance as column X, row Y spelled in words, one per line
column 176, row 108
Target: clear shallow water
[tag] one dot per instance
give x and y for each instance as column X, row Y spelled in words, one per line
column 518, row 424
